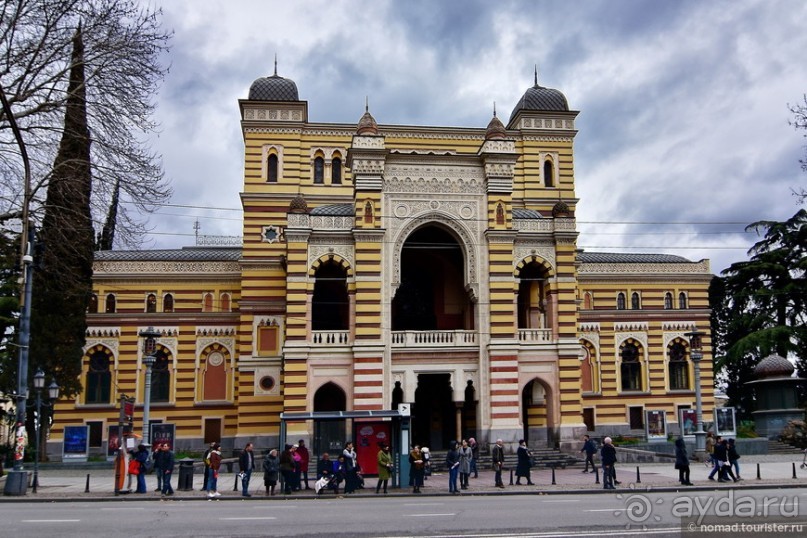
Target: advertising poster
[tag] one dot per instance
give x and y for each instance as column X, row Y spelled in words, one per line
column 76, row 442
column 113, row 442
column 656, row 425
column 724, row 422
column 163, row 433
column 368, row 435
column 689, row 422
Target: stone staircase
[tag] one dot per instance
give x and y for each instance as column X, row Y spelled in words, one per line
column 778, row 447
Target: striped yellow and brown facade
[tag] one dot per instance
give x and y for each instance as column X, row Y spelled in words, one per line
column 388, row 264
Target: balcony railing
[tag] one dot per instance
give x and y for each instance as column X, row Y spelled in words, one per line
column 330, row 338
column 532, row 336
column 435, row 339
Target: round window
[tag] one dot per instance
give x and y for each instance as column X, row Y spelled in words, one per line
column 267, row 383
column 215, row 358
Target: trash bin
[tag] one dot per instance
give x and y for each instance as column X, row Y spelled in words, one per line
column 185, row 482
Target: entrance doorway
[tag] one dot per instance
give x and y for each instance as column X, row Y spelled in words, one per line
column 534, row 414
column 329, row 436
column 434, row 413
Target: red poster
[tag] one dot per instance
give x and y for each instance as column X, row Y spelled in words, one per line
column 368, row 435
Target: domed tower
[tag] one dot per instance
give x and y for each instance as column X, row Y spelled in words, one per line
column 777, row 395
column 547, row 103
column 274, row 99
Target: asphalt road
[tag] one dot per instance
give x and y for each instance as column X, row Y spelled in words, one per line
column 624, row 513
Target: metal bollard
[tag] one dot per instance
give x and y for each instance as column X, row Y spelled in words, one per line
column 553, row 475
column 759, row 477
column 87, row 487
column 235, row 486
column 596, row 475
column 511, row 477
column 638, row 476
column 794, row 470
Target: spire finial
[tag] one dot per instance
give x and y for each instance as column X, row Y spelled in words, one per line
column 367, row 103
column 275, row 64
column 494, row 109
column 536, row 74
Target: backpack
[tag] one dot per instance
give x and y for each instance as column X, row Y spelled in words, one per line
column 148, row 465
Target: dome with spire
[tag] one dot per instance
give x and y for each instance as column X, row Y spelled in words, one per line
column 541, row 99
column 298, row 205
column 367, row 125
column 495, row 128
column 273, row 88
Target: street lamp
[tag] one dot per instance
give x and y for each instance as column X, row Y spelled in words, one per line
column 53, row 394
column 149, row 347
column 696, row 353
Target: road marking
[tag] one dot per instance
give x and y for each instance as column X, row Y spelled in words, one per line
column 422, row 504
column 563, row 501
column 125, row 508
column 244, row 518
column 431, row 515
column 606, row 510
column 50, row 520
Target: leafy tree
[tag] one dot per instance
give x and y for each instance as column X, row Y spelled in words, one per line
column 761, row 305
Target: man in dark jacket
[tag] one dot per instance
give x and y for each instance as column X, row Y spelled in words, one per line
column 246, row 464
column 590, row 449
column 719, row 456
column 157, row 458
column 608, row 458
column 166, row 469
column 497, row 455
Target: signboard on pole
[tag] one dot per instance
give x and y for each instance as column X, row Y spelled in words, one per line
column 76, row 443
column 113, row 442
column 656, row 421
column 688, row 421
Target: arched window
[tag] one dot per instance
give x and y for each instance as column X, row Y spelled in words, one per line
column 161, row 377
column 151, row 303
column 92, row 304
column 336, row 171
column 682, row 301
column 678, row 367
column 225, row 302
column 207, row 303
column 620, row 301
column 549, row 174
column 368, row 213
column 588, row 301
column 319, row 170
column 330, row 303
column 168, row 303
column 99, row 377
column 631, row 367
column 271, row 168
column 668, row 301
column 499, row 215
column 215, row 374
column 634, row 301
column 110, row 304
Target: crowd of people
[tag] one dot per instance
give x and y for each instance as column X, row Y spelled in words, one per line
column 343, row 472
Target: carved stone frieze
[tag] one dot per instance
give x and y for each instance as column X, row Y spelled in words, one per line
column 215, row 331
column 682, row 326
column 299, row 220
column 534, row 225
column 113, row 344
column 330, row 222
column 368, row 142
column 669, row 336
column 620, row 337
column 395, row 184
column 499, row 169
column 630, row 326
column 565, row 225
column 367, row 166
column 102, row 332
column 272, row 114
column 590, row 327
column 164, row 267
column 545, row 252
column 669, row 269
column 317, row 251
column 227, row 341
column 499, row 146
column 591, row 336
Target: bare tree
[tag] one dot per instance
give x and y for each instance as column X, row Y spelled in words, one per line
column 800, row 122
column 124, row 45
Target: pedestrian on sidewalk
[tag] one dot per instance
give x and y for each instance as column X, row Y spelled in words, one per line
column 166, row 469
column 682, row 462
column 453, row 466
column 246, row 463
column 141, row 457
column 214, row 461
column 271, row 468
column 384, row 464
column 206, row 460
column 524, row 463
column 305, row 459
column 734, row 458
column 719, row 456
column 497, row 456
column 287, row 468
column 157, row 458
column 710, row 448
column 466, row 458
column 590, row 449
column 475, row 456
column 608, row 459
column 416, row 468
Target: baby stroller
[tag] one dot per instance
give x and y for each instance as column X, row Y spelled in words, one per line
column 327, row 482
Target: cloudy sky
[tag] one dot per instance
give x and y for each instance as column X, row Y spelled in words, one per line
column 683, row 127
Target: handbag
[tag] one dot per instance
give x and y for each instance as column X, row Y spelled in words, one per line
column 134, row 467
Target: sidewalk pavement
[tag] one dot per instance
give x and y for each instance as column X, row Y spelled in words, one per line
column 69, row 484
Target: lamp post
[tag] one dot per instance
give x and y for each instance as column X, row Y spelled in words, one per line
column 149, row 347
column 696, row 353
column 53, row 394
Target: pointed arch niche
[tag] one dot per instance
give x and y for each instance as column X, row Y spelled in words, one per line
column 214, row 378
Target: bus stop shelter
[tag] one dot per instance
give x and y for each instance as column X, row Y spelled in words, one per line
column 365, row 429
